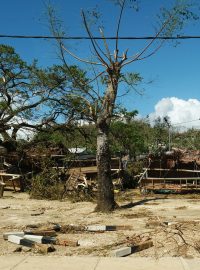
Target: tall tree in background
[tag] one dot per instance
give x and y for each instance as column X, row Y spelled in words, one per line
column 19, row 95
column 30, row 97
column 100, row 105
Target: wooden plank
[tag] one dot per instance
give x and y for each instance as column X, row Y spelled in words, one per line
column 174, row 179
column 67, row 243
column 141, row 246
column 172, row 170
column 10, row 174
column 86, row 170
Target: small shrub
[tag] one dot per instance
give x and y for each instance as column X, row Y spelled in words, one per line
column 47, row 185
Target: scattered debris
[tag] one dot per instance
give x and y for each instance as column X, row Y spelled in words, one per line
column 96, row 228
column 11, row 180
column 37, row 214
column 181, row 208
column 66, row 243
column 125, row 251
column 40, row 239
column 43, row 249
column 22, row 249
column 20, row 240
column 71, row 228
column 141, row 246
column 4, row 207
column 18, row 249
column 33, row 226
column 152, row 224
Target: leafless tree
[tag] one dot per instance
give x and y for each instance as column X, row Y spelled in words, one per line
column 100, row 107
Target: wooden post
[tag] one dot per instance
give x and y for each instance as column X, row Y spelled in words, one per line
column 1, row 189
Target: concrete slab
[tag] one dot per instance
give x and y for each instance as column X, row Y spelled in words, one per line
column 5, row 235
column 20, row 241
column 47, row 263
column 40, row 239
column 30, row 262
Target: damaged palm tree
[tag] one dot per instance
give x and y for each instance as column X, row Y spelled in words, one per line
column 99, row 106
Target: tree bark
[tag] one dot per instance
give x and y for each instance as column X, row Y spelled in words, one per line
column 105, row 198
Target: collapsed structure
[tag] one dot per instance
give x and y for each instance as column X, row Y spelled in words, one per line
column 176, row 171
column 75, row 170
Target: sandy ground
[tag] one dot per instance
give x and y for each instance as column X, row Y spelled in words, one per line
column 17, row 211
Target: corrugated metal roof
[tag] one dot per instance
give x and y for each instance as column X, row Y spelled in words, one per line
column 77, row 150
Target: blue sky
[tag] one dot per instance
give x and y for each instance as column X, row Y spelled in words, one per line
column 174, row 71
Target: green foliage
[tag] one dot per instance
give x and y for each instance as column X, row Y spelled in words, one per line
column 187, row 140
column 128, row 116
column 131, row 78
column 160, row 131
column 84, row 136
column 32, row 97
column 133, row 168
column 128, row 138
column 181, row 13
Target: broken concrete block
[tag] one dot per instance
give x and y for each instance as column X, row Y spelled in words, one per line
column 5, row 235
column 20, row 241
column 40, row 239
column 125, row 251
column 122, row 252
column 96, row 228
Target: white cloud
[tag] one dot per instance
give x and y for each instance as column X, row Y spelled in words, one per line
column 182, row 113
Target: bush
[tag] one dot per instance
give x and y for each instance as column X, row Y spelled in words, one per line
column 47, row 185
column 133, row 169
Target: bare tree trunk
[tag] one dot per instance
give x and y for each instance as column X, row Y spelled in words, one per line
column 105, row 199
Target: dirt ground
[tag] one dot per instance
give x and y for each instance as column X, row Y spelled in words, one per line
column 147, row 215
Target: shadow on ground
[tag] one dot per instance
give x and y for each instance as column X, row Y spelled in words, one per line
column 141, row 202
